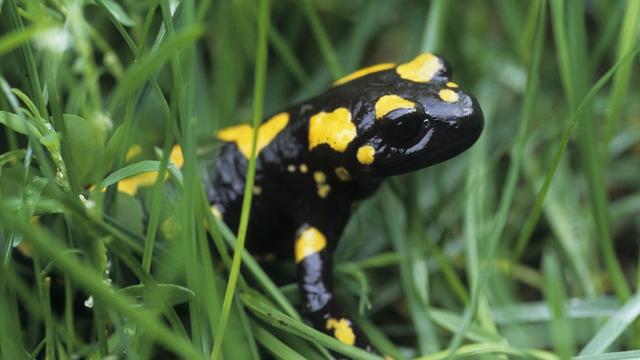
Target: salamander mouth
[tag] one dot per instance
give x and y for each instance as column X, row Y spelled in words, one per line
column 423, row 159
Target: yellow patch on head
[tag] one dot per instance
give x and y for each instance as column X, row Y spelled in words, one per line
column 388, row 103
column 242, row 135
column 451, row 84
column 310, row 241
column 421, row 69
column 448, row 95
column 333, row 128
column 131, row 184
column 303, row 168
column 342, row 330
column 176, row 156
column 366, row 154
column 364, row 71
column 323, row 190
column 291, row 168
column 342, row 174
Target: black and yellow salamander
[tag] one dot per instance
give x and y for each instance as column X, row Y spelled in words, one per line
column 318, row 158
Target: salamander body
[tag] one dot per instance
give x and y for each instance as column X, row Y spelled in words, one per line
column 319, row 158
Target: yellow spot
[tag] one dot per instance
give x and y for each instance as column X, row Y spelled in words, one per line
column 257, row 190
column 319, row 177
column 364, row 71
column 448, row 95
column 420, row 69
column 451, row 84
column 303, row 168
column 342, row 174
column 216, row 212
column 133, row 151
column 310, row 241
column 366, row 154
column 342, row 330
column 323, row 190
column 171, row 228
column 388, row 103
column 176, row 156
column 242, row 135
column 332, row 128
column 131, row 184
column 291, row 168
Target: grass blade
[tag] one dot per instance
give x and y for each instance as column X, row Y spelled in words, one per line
column 614, row 327
column 517, row 156
column 258, row 103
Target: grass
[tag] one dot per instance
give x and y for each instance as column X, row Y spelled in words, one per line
column 523, row 247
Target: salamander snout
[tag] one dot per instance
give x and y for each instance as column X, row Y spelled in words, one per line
column 468, row 123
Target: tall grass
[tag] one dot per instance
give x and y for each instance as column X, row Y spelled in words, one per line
column 523, row 247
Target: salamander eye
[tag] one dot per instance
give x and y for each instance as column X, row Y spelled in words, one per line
column 402, row 127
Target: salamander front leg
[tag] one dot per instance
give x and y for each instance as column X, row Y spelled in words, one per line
column 313, row 261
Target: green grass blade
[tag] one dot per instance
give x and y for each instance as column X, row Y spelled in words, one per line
column 14, row 39
column 412, row 270
column 128, row 171
column 322, row 38
column 277, row 319
column 560, row 328
column 576, row 78
column 490, row 350
column 517, row 156
column 614, row 327
column 258, row 104
column 27, row 56
column 434, row 26
column 620, row 355
column 91, row 281
column 627, row 39
column 534, row 214
column 140, row 71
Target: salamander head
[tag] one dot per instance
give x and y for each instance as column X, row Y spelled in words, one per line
column 404, row 117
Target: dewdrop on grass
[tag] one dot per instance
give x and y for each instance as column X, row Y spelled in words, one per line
column 89, row 302
column 55, row 40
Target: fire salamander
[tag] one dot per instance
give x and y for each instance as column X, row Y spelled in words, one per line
column 318, row 158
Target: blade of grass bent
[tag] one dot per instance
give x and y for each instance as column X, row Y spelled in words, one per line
column 614, row 327
column 534, row 214
column 274, row 345
column 275, row 318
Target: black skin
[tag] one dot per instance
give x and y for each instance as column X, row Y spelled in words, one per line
column 404, row 140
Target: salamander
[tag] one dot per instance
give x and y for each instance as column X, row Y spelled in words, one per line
column 317, row 159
